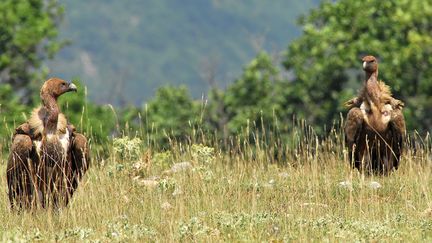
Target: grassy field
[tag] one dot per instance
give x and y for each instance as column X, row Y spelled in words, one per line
column 138, row 194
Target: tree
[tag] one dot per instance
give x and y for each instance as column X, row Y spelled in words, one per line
column 326, row 58
column 172, row 114
column 254, row 96
column 12, row 112
column 28, row 36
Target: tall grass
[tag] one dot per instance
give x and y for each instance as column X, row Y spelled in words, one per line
column 258, row 186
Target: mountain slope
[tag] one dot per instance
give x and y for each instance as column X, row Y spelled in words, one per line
column 124, row 50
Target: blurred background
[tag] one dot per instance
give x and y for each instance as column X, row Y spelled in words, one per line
column 218, row 65
column 133, row 47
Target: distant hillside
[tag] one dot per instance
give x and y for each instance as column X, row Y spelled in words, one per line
column 124, row 50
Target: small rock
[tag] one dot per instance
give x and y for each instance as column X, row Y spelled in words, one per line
column 182, row 166
column 314, row 205
column 275, row 229
column 284, row 175
column 166, row 206
column 167, row 172
column 177, row 192
column 153, row 178
column 374, row 185
column 148, row 183
column 346, row 184
column 269, row 184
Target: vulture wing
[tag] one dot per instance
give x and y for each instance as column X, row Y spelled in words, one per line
column 397, row 130
column 354, row 127
column 80, row 159
column 21, row 165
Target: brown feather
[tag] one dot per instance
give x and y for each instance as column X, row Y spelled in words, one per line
column 36, row 122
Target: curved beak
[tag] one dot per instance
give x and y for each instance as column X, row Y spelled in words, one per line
column 364, row 65
column 72, row 87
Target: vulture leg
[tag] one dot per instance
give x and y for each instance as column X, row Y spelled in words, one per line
column 353, row 127
column 80, row 159
column 20, row 172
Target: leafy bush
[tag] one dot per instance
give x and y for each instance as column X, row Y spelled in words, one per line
column 171, row 115
column 127, row 149
column 202, row 154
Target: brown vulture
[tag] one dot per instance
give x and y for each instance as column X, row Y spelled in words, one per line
column 48, row 157
column 375, row 125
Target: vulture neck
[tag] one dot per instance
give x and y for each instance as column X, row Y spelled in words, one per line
column 371, row 75
column 372, row 88
column 373, row 95
column 52, row 109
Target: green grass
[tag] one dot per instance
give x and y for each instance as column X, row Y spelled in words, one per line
column 239, row 196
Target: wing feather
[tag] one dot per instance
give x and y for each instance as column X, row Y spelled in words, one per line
column 353, row 130
column 80, row 159
column 398, row 131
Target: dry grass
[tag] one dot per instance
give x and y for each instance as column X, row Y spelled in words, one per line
column 236, row 197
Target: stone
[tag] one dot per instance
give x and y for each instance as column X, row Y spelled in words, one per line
column 182, row 166
column 375, row 185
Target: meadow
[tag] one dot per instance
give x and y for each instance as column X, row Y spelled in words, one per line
column 201, row 191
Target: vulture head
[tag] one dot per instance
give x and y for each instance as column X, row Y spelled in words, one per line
column 55, row 87
column 370, row 64
column 50, row 91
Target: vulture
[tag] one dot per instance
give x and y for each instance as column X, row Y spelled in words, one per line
column 48, row 157
column 375, row 125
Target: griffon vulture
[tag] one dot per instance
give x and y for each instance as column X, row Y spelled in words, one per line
column 375, row 125
column 48, row 157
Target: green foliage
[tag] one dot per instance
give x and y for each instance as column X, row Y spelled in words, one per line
column 171, row 114
column 252, row 99
column 28, row 37
column 326, row 58
column 167, row 185
column 121, row 230
column 12, row 112
column 127, row 149
column 323, row 71
column 163, row 159
column 202, row 154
